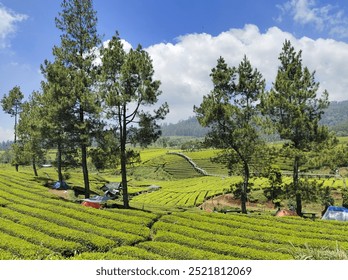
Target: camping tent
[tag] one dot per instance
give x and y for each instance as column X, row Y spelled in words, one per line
column 91, row 204
column 111, row 186
column 112, row 189
column 336, row 213
column 96, row 201
column 60, row 185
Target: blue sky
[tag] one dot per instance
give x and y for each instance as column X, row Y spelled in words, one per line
column 184, row 38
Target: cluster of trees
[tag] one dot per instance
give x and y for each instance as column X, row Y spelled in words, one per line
column 90, row 93
column 239, row 108
column 95, row 93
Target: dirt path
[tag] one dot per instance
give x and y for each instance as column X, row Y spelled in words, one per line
column 61, row 193
column 227, row 200
column 192, row 163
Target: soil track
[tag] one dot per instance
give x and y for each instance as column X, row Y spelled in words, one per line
column 227, row 200
column 61, row 193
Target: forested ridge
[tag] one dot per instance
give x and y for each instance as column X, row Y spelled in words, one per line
column 188, row 127
column 336, row 117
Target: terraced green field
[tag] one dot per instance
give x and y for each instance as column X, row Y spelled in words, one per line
column 185, row 192
column 163, row 224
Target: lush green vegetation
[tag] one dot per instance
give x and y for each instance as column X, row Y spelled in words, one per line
column 165, row 223
column 100, row 116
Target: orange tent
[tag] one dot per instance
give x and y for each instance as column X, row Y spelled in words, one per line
column 91, row 204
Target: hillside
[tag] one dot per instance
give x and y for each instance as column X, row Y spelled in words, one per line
column 189, row 127
column 37, row 225
column 336, row 117
column 336, row 113
column 5, row 145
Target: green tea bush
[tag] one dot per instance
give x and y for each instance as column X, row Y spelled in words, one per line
column 233, row 239
column 136, row 253
column 179, row 252
column 233, row 252
column 89, row 240
column 61, row 246
column 23, row 249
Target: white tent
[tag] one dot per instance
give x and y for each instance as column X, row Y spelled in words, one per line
column 336, row 213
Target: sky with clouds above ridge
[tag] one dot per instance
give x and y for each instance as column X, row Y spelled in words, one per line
column 185, row 39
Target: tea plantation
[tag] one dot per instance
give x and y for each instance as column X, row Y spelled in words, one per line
column 165, row 223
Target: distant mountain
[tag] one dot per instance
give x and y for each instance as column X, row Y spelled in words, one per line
column 335, row 116
column 5, row 145
column 189, row 127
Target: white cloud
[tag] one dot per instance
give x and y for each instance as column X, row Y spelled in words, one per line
column 8, row 20
column 326, row 18
column 98, row 60
column 126, row 45
column 184, row 67
column 304, row 13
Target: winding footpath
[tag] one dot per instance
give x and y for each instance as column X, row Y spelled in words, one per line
column 192, row 163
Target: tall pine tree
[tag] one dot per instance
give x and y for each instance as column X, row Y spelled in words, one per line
column 294, row 109
column 230, row 110
column 12, row 105
column 58, row 114
column 79, row 40
column 30, row 141
column 127, row 87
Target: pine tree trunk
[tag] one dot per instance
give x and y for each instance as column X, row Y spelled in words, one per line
column 124, row 177
column 123, row 136
column 297, row 186
column 84, row 155
column 85, row 169
column 15, row 134
column 59, row 163
column 34, row 167
column 244, row 195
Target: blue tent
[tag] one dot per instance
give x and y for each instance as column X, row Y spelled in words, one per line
column 336, row 213
column 60, row 185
